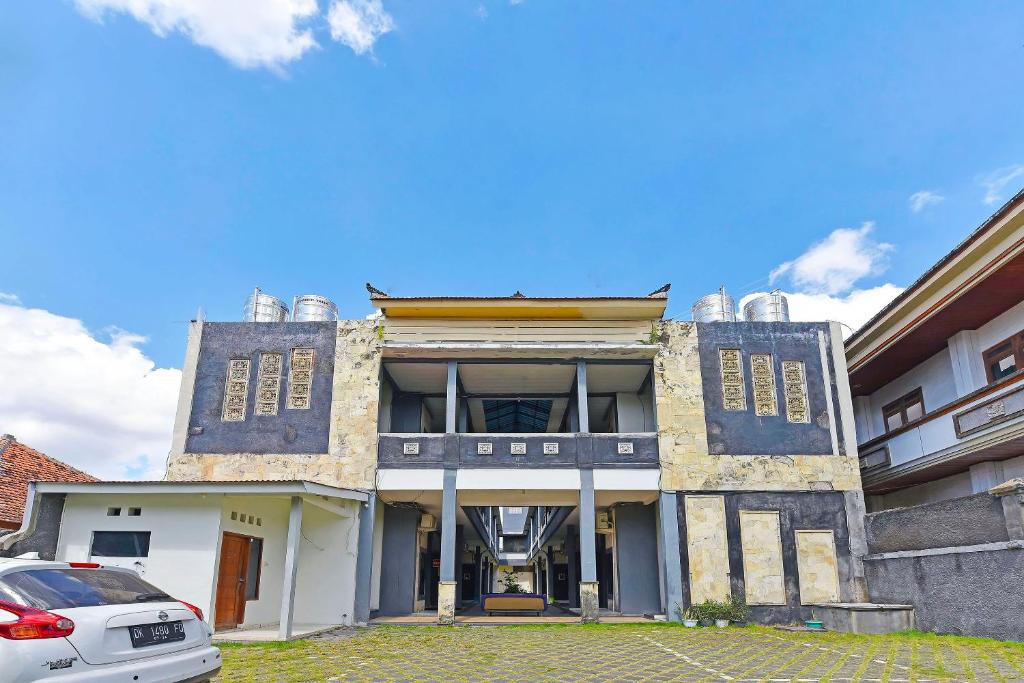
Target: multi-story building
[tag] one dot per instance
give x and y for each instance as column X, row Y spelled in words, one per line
column 323, row 472
column 938, row 375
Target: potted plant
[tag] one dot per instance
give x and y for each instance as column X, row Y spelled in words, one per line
column 710, row 612
column 690, row 617
column 738, row 611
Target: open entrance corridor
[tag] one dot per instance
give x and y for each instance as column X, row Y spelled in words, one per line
column 664, row 652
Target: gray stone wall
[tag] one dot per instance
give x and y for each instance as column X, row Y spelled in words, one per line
column 963, row 593
column 744, row 433
column 291, row 430
column 43, row 539
column 957, row 522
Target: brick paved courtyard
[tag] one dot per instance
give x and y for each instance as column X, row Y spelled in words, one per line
column 621, row 653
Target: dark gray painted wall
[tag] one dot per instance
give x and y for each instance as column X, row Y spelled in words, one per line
column 945, row 524
column 743, row 433
column 43, row 539
column 976, row 594
column 398, row 561
column 636, row 545
column 806, row 510
column 290, row 431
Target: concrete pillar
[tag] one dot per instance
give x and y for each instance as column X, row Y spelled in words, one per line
column 1011, row 493
column 570, row 551
column 185, row 392
column 588, row 549
column 446, row 585
column 460, row 544
column 986, row 475
column 291, row 569
column 968, row 366
column 583, row 409
column 549, row 564
column 364, row 559
column 672, row 572
column 451, row 395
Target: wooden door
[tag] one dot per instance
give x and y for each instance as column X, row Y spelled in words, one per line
column 231, row 579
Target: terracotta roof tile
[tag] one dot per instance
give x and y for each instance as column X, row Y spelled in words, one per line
column 19, row 465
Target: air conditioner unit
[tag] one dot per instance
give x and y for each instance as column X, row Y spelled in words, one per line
column 604, row 523
column 428, row 522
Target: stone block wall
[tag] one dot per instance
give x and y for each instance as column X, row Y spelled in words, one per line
column 345, row 410
column 686, row 463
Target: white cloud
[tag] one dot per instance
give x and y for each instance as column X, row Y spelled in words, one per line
column 481, row 13
column 852, row 309
column 834, row 264
column 919, row 201
column 7, row 298
column 248, row 33
column 101, row 406
column 358, row 23
column 996, row 181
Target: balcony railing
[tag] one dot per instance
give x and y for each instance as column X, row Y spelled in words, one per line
column 636, row 450
column 959, row 431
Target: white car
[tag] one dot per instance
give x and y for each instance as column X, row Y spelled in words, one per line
column 76, row 622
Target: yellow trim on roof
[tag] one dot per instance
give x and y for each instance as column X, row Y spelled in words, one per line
column 525, row 309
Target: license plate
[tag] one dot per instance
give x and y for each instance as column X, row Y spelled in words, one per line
column 155, row 634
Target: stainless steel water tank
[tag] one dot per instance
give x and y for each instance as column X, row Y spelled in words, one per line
column 313, row 307
column 263, row 308
column 769, row 308
column 714, row 308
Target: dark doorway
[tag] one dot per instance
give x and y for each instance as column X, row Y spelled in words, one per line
column 468, row 582
column 562, row 582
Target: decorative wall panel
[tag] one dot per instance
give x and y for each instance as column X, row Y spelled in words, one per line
column 707, row 548
column 794, row 382
column 762, row 374
column 762, row 558
column 300, row 379
column 236, row 390
column 268, row 383
column 817, row 567
column 733, row 394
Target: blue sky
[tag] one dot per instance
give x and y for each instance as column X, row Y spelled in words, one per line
column 155, row 163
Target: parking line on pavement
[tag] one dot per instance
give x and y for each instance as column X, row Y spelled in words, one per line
column 686, row 659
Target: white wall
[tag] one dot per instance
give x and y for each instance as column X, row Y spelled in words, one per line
column 955, row 486
column 326, row 582
column 1000, row 327
column 184, row 535
column 934, row 376
column 378, row 553
column 273, row 512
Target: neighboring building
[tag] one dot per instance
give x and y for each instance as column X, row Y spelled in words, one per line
column 938, row 375
column 19, row 465
column 614, row 460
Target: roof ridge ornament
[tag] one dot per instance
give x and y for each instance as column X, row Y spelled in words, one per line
column 661, row 292
column 376, row 293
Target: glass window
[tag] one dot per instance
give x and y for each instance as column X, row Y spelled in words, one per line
column 64, row 588
column 1005, row 358
column 903, row 410
column 120, row 544
column 252, row 579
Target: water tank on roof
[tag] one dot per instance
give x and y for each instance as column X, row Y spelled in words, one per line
column 768, row 308
column 714, row 308
column 264, row 308
column 313, row 307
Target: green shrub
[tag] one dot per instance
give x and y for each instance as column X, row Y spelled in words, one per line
column 710, row 610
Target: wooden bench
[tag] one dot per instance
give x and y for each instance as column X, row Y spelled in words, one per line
column 514, row 602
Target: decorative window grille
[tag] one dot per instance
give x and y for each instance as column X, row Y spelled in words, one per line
column 762, row 374
column 300, row 379
column 794, row 382
column 268, row 383
column 733, row 394
column 236, row 390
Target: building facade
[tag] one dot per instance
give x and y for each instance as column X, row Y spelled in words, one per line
column 937, row 375
column 654, row 463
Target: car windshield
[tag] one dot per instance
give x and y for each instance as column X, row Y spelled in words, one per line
column 58, row 588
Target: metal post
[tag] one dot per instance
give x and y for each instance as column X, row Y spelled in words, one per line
column 291, row 567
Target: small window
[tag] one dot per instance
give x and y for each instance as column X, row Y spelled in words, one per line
column 134, row 512
column 1005, row 358
column 903, row 410
column 234, row 516
column 113, row 512
column 252, row 579
column 120, row 544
